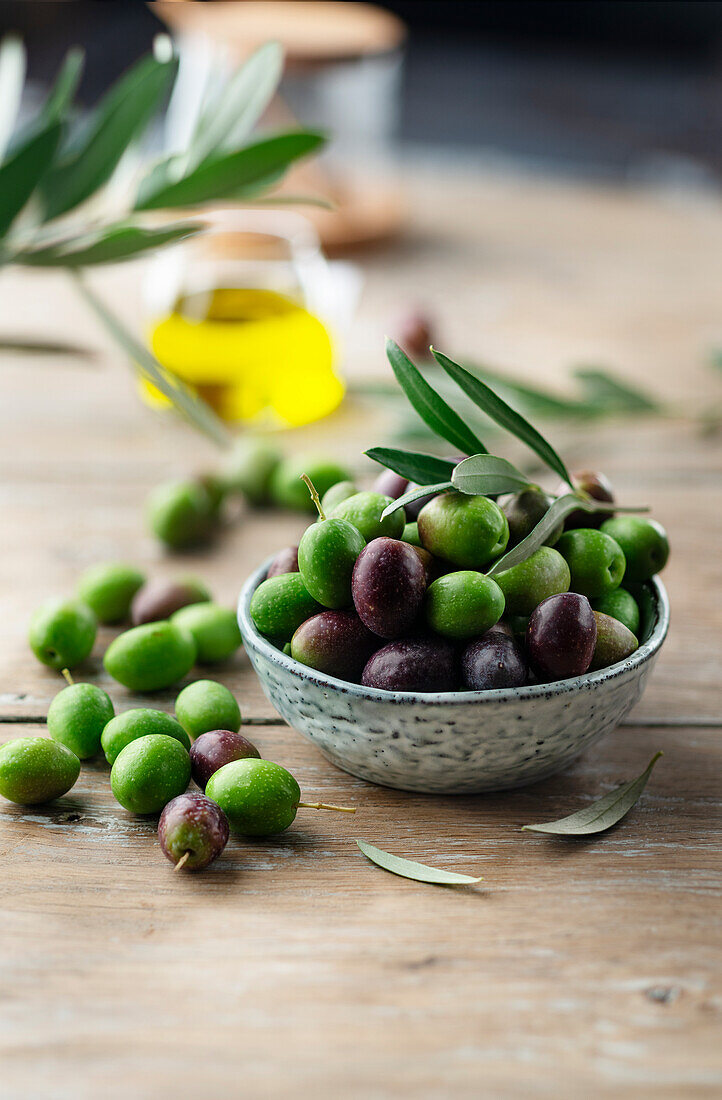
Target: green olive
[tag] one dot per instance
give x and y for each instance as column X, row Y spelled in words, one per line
column 214, row 629
column 139, row 722
column 62, row 633
column 463, row 604
column 258, row 797
column 545, row 573
column 363, row 511
column 206, row 705
column 36, row 769
column 149, row 772
column 280, row 604
column 150, row 657
column 77, row 717
column 108, row 590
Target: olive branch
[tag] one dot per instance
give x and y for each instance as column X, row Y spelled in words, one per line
column 58, row 204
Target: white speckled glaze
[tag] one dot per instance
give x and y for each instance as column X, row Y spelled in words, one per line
column 454, row 742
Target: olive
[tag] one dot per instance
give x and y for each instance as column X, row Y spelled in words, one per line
column 215, row 487
column 524, row 510
column 279, row 605
column 150, row 657
column 149, row 772
column 415, row 334
column 390, row 484
column 206, row 705
column 180, row 514
column 287, row 488
column 493, row 661
column 285, row 561
column 327, row 554
column 644, row 544
column 250, row 468
column 516, row 624
column 463, row 604
column 614, row 642
column 62, row 633
column 192, row 831
column 214, row 630
column 561, row 636
column 410, row 534
column 595, row 560
column 334, row 642
column 77, row 717
column 388, row 587
column 469, row 531
column 258, row 797
column 342, row 490
column 621, row 605
column 412, row 664
column 136, row 723
column 216, row 748
column 109, row 589
column 160, row 599
column 598, row 488
column 363, row 511
column 544, row 573
column 36, row 769
column 413, row 508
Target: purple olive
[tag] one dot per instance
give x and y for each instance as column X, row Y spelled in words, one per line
column 493, row 661
column 561, row 636
column 415, row 664
column 334, row 642
column 413, row 508
column 388, row 586
column 415, row 334
column 159, row 599
column 285, row 561
column 193, row 831
column 598, row 488
column 212, row 750
column 390, row 484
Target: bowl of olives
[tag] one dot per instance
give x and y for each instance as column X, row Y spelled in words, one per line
column 456, row 628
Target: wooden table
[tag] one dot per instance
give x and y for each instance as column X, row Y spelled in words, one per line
column 294, row 967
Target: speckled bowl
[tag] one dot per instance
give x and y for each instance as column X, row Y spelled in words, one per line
column 453, row 742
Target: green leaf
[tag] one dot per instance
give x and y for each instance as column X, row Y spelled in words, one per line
column 66, row 85
column 20, row 174
column 12, row 78
column 226, row 175
column 610, row 394
column 26, row 346
column 421, row 468
column 407, row 868
column 558, row 511
column 602, row 814
column 112, row 244
column 231, row 115
column 482, row 475
column 532, row 399
column 416, row 494
column 122, row 115
column 432, row 408
column 187, row 403
column 503, row 414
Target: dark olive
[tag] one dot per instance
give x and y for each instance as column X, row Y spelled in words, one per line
column 597, row 487
column 285, row 561
column 390, row 484
column 415, row 664
column 388, row 586
column 561, row 636
column 334, row 642
column 493, row 661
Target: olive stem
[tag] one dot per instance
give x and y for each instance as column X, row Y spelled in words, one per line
column 328, row 806
column 182, row 861
column 314, row 494
column 68, row 677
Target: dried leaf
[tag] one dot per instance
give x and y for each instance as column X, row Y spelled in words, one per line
column 603, row 813
column 407, row 868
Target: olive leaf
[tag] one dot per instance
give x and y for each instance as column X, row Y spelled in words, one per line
column 493, row 405
column 12, row 76
column 407, row 868
column 21, row 172
column 227, row 175
column 532, row 399
column 422, row 468
column 63, row 91
column 610, row 394
column 481, row 475
column 416, row 494
column 430, row 406
column 108, row 245
column 603, row 813
column 557, row 512
column 232, row 112
column 122, row 115
column 192, row 407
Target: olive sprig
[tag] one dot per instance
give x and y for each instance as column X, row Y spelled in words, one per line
column 481, row 473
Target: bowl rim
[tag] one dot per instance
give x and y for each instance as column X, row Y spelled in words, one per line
column 500, row 695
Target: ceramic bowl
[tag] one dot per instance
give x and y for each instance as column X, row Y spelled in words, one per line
column 453, row 742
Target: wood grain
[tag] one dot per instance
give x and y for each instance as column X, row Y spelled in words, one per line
column 578, row 967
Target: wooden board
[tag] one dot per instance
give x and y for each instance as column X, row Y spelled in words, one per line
column 578, row 968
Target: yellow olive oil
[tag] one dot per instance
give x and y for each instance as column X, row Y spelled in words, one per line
column 249, row 353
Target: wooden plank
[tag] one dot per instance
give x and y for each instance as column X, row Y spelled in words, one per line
column 295, row 965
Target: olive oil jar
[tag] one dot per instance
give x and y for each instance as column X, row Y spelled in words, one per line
column 236, row 314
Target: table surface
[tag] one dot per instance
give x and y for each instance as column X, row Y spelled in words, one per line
column 578, row 967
